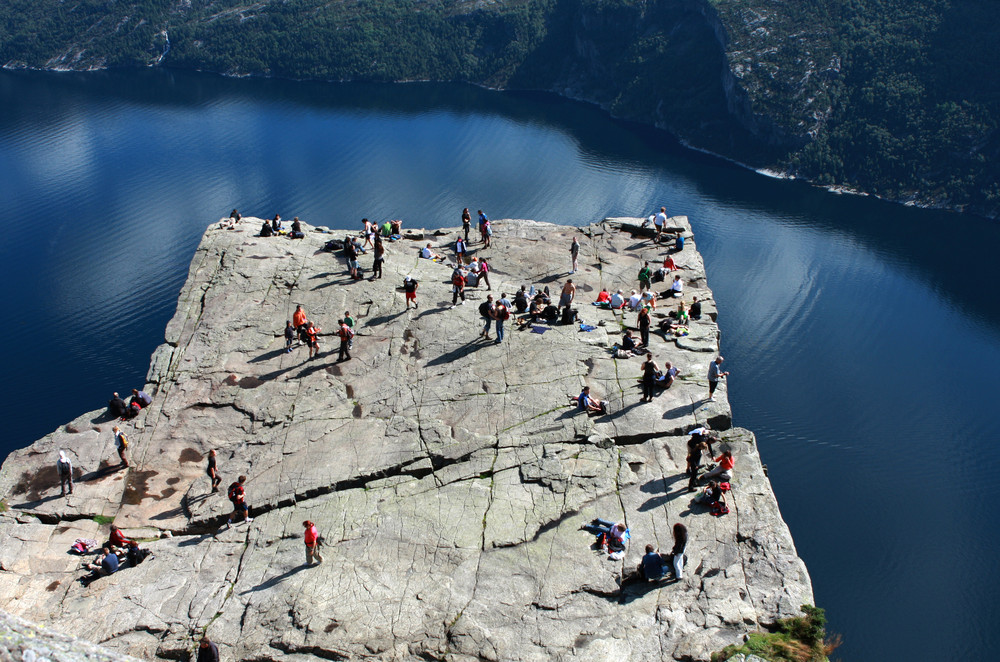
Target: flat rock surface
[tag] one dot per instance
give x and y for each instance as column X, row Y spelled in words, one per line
column 448, row 475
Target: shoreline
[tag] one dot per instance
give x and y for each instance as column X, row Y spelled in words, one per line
column 475, row 445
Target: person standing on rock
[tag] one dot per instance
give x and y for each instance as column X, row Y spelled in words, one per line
column 312, row 339
column 121, row 444
column 351, row 323
column 680, row 545
column 65, row 470
column 660, row 221
column 237, row 495
column 207, row 650
column 466, row 223
column 482, row 225
column 289, row 336
column 213, row 470
column 300, row 322
column 574, row 254
column 379, row 257
column 568, row 294
column 311, row 537
column 715, row 374
column 460, row 250
column 410, row 287
column 501, row 314
column 649, row 370
column 644, row 320
column 645, row 277
column 346, row 334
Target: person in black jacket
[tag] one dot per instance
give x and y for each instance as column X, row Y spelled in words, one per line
column 117, row 406
column 207, row 651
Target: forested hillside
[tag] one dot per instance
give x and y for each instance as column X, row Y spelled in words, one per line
column 895, row 97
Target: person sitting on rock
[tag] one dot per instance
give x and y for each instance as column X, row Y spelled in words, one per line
column 117, row 406
column 652, row 568
column 117, row 538
column 712, row 495
column 105, row 564
column 629, row 343
column 634, row 300
column 603, row 297
column 135, row 554
column 276, row 224
column 521, row 300
column 429, row 254
column 265, row 230
column 297, row 232
column 694, row 312
column 666, row 378
column 677, row 288
column 589, row 403
column 724, row 470
column 618, row 300
column 142, row 397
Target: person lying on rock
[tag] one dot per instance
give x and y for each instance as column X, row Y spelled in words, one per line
column 610, row 536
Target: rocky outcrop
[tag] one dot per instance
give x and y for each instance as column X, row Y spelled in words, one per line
column 449, row 475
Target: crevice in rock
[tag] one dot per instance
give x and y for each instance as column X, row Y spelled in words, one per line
column 315, row 651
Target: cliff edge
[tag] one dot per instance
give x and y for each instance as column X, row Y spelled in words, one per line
column 448, row 475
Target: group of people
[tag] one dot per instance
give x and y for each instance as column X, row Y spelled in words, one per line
column 119, row 408
column 307, row 333
column 115, row 554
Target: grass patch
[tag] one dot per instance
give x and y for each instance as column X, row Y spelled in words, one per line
column 3, row 505
column 103, row 519
column 798, row 639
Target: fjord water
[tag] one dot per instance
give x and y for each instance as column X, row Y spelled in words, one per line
column 863, row 337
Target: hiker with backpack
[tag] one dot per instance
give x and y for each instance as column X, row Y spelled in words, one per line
column 346, row 334
column 237, row 495
column 645, row 277
column 486, row 310
column 121, row 444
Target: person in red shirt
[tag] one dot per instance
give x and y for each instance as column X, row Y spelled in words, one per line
column 725, row 469
column 237, row 495
column 312, row 339
column 311, row 537
column 346, row 333
column 118, row 538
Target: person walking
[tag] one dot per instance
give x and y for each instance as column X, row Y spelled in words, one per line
column 649, row 370
column 207, row 650
column 65, row 470
column 574, row 253
column 715, row 374
column 238, row 497
column 311, row 538
column 457, row 286
column 213, row 470
column 346, row 334
column 466, row 223
column 410, row 287
column 121, row 445
column 289, row 336
column 486, row 310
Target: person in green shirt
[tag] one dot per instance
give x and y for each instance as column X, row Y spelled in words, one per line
column 349, row 321
column 645, row 277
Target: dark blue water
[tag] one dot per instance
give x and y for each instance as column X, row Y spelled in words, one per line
column 863, row 338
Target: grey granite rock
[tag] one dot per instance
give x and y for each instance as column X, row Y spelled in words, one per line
column 449, row 475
